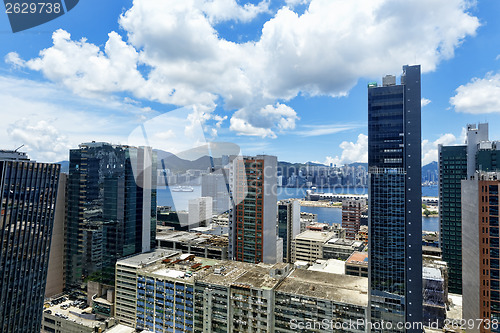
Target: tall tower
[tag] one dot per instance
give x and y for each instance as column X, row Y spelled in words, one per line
column 455, row 164
column 395, row 220
column 252, row 230
column 111, row 208
column 452, row 170
column 481, row 251
column 28, row 192
column 288, row 225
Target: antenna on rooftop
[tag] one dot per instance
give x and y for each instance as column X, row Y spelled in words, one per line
column 21, row 146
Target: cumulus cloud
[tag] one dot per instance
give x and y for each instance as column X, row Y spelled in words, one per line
column 430, row 148
column 351, row 152
column 320, row 52
column 425, row 101
column 41, row 137
column 248, row 121
column 479, row 95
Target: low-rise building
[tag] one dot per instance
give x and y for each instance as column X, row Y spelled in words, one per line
column 308, row 245
column 181, row 292
column 62, row 315
column 201, row 245
column 357, row 264
column 311, row 301
column 362, row 234
column 338, row 248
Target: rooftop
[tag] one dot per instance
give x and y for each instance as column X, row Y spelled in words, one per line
column 148, row 258
column 315, row 236
column 72, row 311
column 345, row 242
column 193, row 238
column 334, row 287
column 360, row 258
column 329, row 266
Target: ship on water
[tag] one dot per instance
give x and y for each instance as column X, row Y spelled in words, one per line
column 182, row 189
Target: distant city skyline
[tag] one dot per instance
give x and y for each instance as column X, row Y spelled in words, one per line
column 261, row 74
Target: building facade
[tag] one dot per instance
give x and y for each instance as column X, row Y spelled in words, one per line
column 452, row 170
column 352, row 210
column 480, row 248
column 176, row 292
column 252, row 230
column 288, row 225
column 111, row 208
column 27, row 207
column 395, row 221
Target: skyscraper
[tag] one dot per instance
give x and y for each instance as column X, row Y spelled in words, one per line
column 28, row 198
column 480, row 232
column 252, row 228
column 452, row 169
column 111, row 208
column 288, row 225
column 455, row 164
column 395, row 221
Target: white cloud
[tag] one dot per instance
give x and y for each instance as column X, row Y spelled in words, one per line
column 479, row 95
column 430, row 148
column 39, row 137
column 351, row 152
column 317, row 130
column 321, row 52
column 425, row 102
column 14, row 60
column 249, row 121
column 358, row 151
column 49, row 119
column 225, row 10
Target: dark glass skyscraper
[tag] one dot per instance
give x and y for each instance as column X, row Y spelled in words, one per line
column 452, row 169
column 27, row 204
column 111, row 208
column 395, row 218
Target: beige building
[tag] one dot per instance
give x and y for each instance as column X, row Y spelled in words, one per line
column 308, row 246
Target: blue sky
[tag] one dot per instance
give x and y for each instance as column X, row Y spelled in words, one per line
column 286, row 78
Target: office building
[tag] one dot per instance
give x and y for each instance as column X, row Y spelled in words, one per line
column 27, row 208
column 395, row 220
column 288, row 224
column 455, row 164
column 200, row 212
column 357, row 264
column 252, row 231
column 111, row 208
column 339, row 248
column 308, row 245
column 452, row 170
column 352, row 210
column 480, row 249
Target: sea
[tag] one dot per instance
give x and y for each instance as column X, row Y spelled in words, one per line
column 179, row 201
